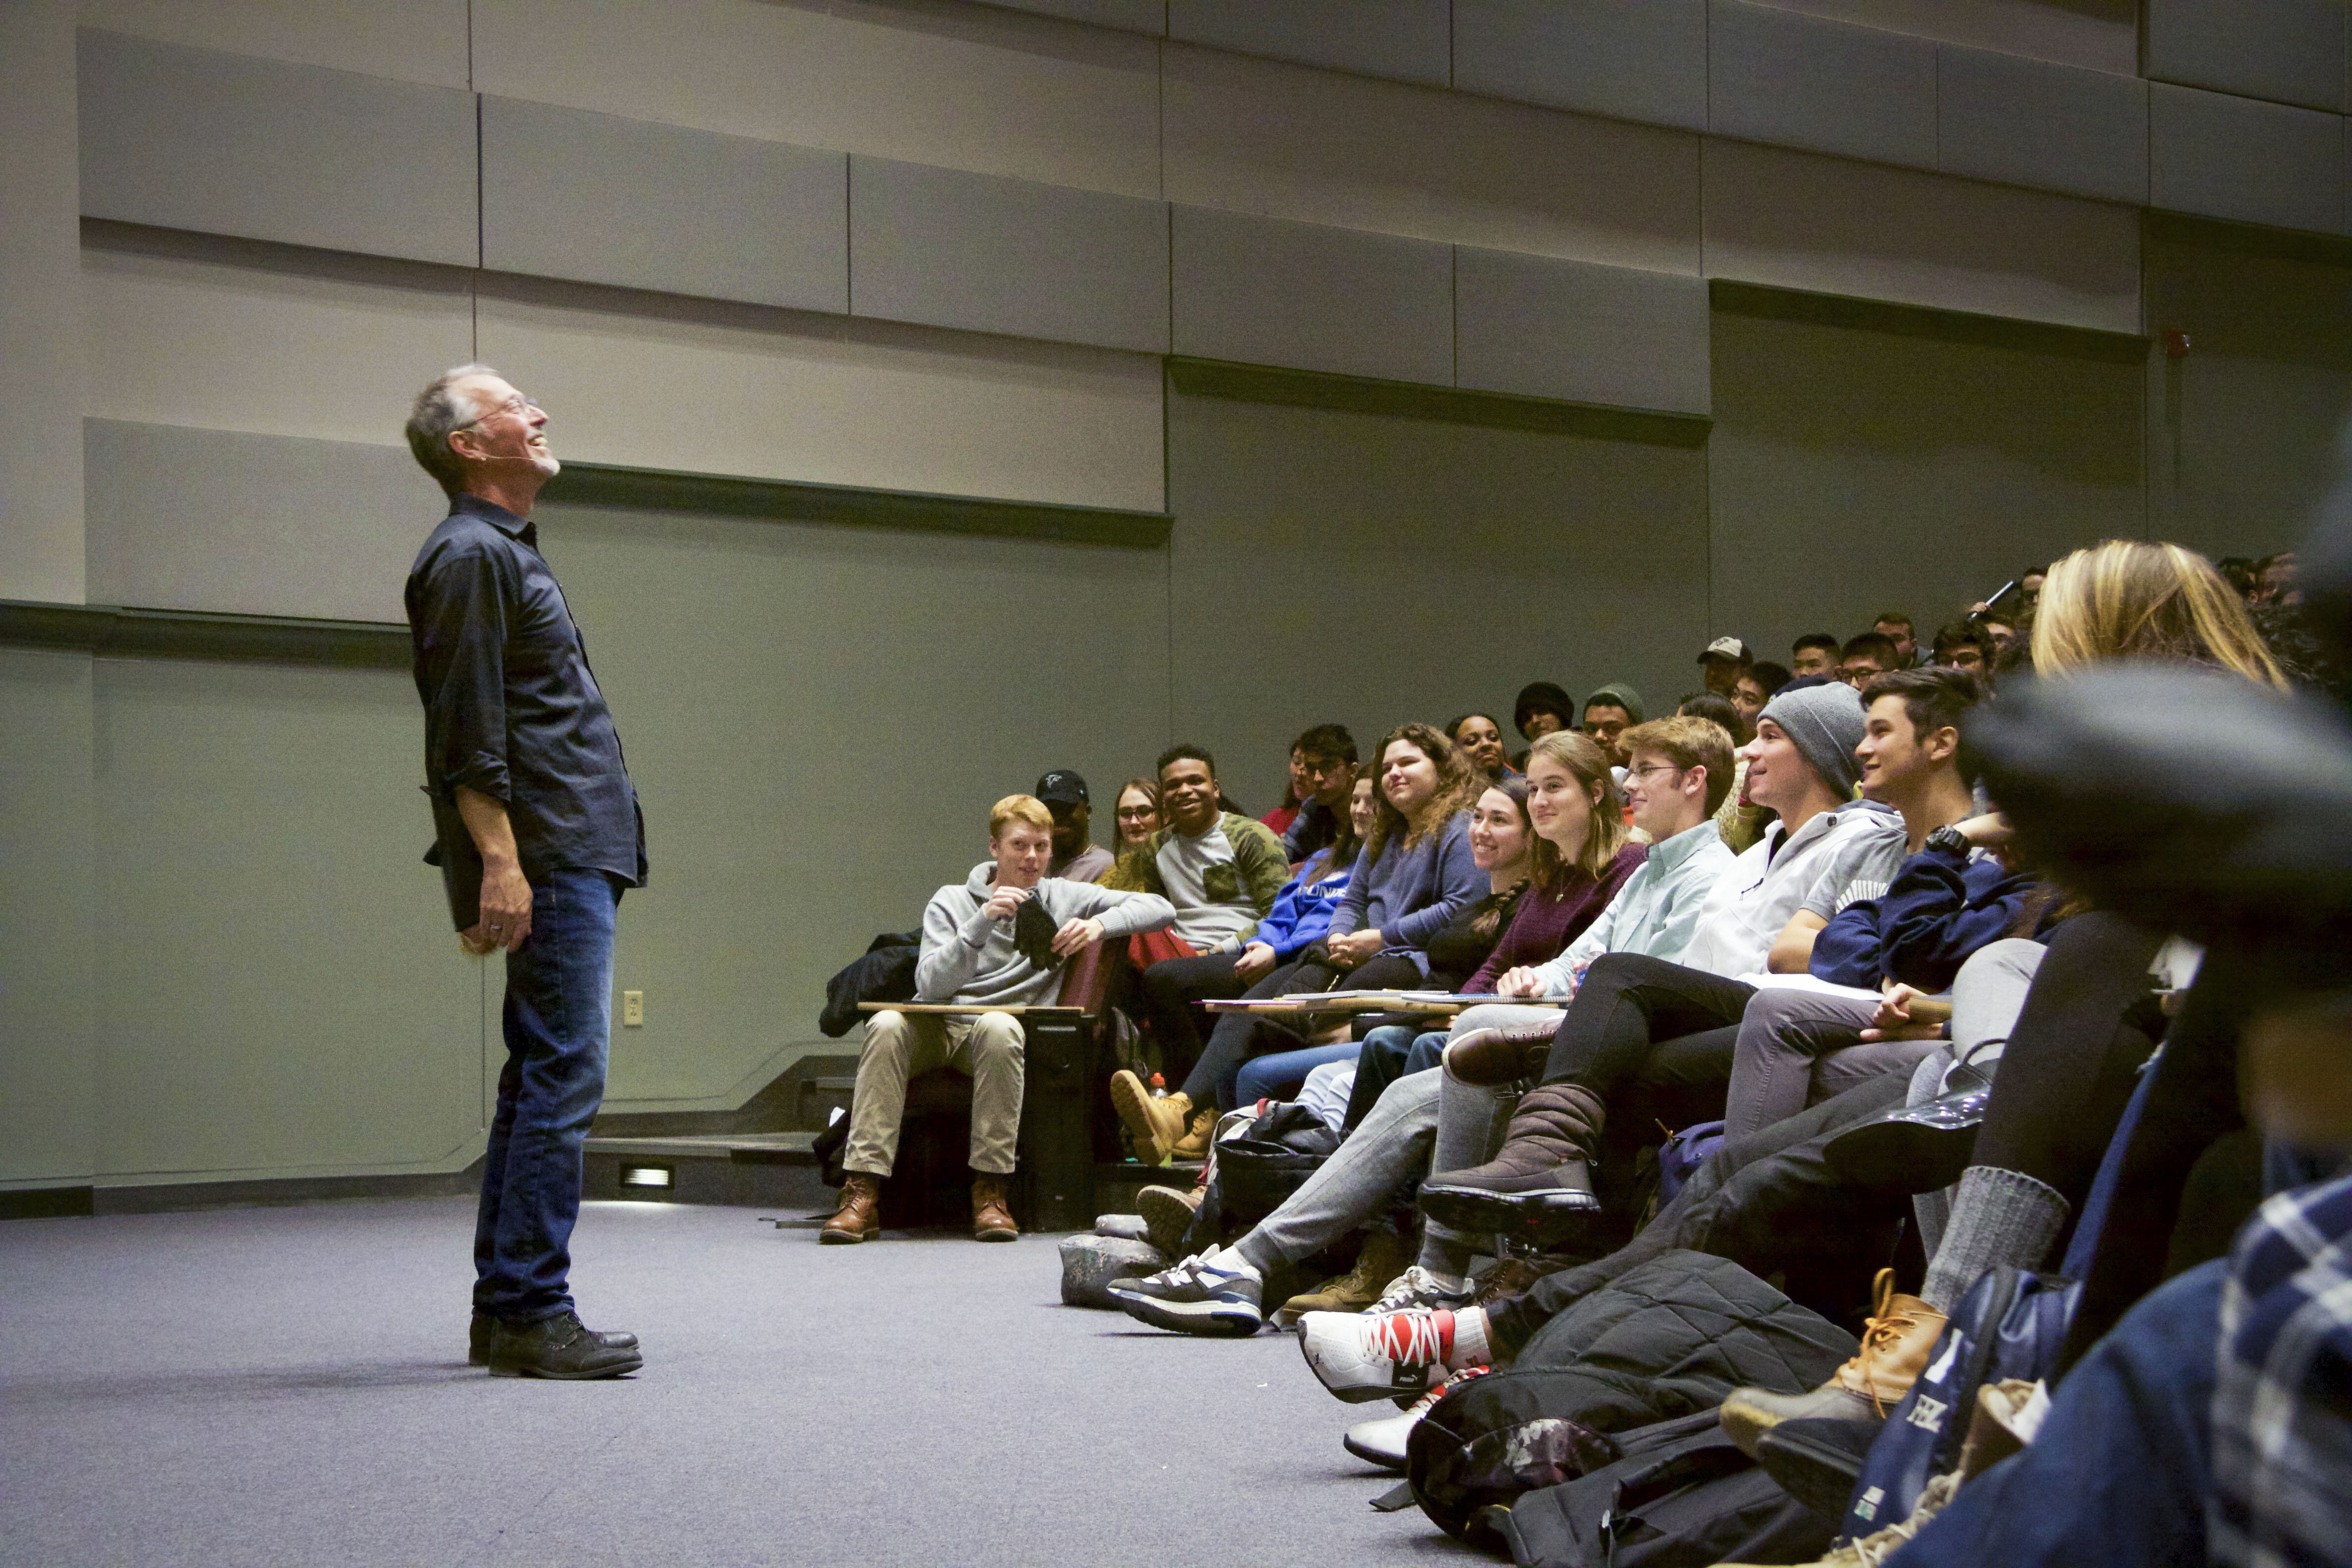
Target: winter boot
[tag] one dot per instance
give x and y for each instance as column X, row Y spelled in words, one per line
column 1896, row 1343
column 1153, row 1126
column 1538, row 1186
column 1385, row 1256
column 1489, row 1059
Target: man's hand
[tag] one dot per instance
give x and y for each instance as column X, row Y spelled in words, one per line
column 1075, row 934
column 1254, row 962
column 1991, row 831
column 1521, row 982
column 1355, row 947
column 1895, row 1020
column 503, row 917
column 1004, row 903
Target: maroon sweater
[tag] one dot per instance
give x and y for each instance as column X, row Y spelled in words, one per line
column 1546, row 922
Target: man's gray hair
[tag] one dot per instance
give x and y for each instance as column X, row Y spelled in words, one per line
column 439, row 411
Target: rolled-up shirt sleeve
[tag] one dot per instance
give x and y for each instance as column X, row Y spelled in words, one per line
column 461, row 646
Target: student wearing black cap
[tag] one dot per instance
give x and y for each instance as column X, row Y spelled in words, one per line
column 1077, row 856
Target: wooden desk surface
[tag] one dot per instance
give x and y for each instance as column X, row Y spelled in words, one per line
column 1017, row 1010
column 1427, row 1006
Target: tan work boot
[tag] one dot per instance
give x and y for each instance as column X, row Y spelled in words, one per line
column 1194, row 1144
column 1155, row 1126
column 1385, row 1256
column 991, row 1214
column 1168, row 1214
column 1896, row 1343
column 1879, row 1545
column 859, row 1218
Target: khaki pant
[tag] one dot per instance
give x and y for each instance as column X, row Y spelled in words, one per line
column 899, row 1046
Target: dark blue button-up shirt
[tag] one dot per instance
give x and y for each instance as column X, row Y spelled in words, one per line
column 512, row 708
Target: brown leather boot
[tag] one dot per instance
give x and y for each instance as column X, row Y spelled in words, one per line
column 1153, row 1126
column 991, row 1214
column 1489, row 1059
column 1194, row 1144
column 1896, row 1343
column 1539, row 1181
column 859, row 1217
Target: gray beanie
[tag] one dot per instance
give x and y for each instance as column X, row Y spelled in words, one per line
column 1825, row 722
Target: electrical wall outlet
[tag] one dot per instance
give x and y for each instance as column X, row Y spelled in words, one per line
column 633, row 1009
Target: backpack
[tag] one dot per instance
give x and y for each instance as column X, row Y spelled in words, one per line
column 1262, row 1165
column 1684, row 1154
column 1682, row 1495
column 2009, row 1324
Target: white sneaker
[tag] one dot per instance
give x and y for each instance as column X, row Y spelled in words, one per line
column 1417, row 1287
column 1381, row 1442
column 1361, row 1357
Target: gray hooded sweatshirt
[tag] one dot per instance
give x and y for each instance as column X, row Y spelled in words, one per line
column 967, row 957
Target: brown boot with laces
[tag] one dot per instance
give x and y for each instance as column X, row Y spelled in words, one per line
column 991, row 1214
column 859, row 1218
column 1896, row 1343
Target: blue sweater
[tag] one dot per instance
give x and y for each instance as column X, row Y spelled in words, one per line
column 1302, row 912
column 1939, row 908
column 1407, row 894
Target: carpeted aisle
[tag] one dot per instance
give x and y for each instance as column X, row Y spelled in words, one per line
column 288, row 1386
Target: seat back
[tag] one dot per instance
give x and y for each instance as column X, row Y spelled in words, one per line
column 1086, row 981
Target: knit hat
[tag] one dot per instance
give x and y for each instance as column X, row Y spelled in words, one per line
column 1825, row 723
column 1620, row 695
column 1543, row 697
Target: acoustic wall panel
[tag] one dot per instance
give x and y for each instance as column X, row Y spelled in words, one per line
column 2097, row 35
column 2289, row 51
column 992, row 255
column 40, row 309
column 1128, row 16
column 196, row 138
column 2027, row 122
column 1263, row 292
column 2222, row 156
column 1318, row 146
column 981, row 87
column 1545, row 328
column 570, row 194
column 416, row 40
column 1406, row 39
column 1798, row 81
column 216, row 520
column 1829, row 226
column 1633, row 60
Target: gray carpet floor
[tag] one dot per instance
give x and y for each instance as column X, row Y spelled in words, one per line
column 288, row 1386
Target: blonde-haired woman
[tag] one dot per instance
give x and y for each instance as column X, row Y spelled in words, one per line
column 2126, row 598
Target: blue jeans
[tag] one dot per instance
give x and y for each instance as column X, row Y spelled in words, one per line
column 1278, row 1074
column 2122, row 1468
column 558, row 1019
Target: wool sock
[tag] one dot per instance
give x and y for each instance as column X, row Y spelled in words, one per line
column 1998, row 1217
column 1469, row 1348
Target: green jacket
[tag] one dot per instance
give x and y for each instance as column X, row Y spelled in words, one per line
column 1259, row 866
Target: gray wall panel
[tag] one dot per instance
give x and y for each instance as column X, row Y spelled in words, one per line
column 1801, row 81
column 259, row 525
column 2027, row 122
column 1546, row 328
column 193, row 138
column 1632, row 59
column 570, row 194
column 2227, row 157
column 1128, row 15
column 991, row 255
column 2291, row 51
column 1264, row 291
column 1407, row 39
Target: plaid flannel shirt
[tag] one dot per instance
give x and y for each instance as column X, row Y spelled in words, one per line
column 2282, row 1399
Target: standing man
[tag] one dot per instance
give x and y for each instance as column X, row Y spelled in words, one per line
column 537, row 831
column 1077, row 856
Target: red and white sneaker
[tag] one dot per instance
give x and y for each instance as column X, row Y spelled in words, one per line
column 1382, row 1441
column 1363, row 1356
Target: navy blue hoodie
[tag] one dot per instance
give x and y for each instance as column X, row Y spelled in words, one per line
column 1940, row 907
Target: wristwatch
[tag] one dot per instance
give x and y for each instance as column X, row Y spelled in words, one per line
column 1951, row 841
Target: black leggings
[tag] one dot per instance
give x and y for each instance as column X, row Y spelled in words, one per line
column 1628, row 1005
column 1238, row 1036
column 1166, row 994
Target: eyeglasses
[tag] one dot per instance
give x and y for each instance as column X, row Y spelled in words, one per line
column 519, row 406
column 1137, row 813
column 1646, row 769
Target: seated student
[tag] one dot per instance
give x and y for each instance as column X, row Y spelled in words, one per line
column 1414, row 872
column 1866, row 658
column 1324, row 765
column 1480, row 741
column 971, row 954
column 1221, row 872
column 1608, row 712
column 1895, row 625
column 1815, row 653
column 1638, row 1022
column 1740, row 823
column 1964, row 646
column 1756, row 684
column 1542, row 707
column 1720, row 665
column 1077, row 856
column 1138, row 815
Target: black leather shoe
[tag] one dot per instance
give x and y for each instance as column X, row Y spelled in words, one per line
column 486, row 1324
column 560, row 1347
